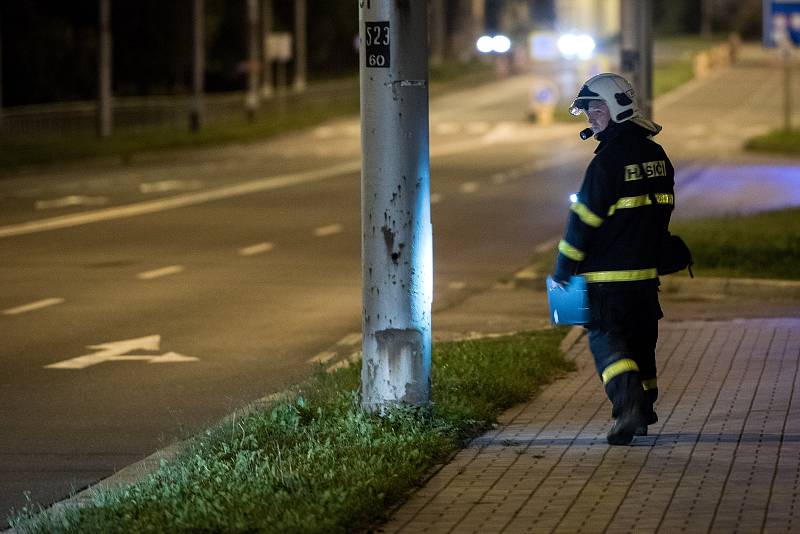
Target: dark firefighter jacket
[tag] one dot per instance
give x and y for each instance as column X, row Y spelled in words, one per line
column 622, row 211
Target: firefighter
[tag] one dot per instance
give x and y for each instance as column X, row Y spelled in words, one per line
column 612, row 237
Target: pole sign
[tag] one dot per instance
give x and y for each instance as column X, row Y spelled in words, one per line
column 376, row 35
column 781, row 23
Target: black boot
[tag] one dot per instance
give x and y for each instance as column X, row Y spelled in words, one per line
column 650, row 415
column 625, row 392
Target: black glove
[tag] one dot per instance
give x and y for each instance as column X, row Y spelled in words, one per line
column 564, row 269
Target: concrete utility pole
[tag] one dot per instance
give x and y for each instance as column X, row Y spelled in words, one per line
column 252, row 100
column 300, row 56
column 637, row 50
column 198, row 67
column 397, row 244
column 266, row 29
column 104, row 79
column 1, row 70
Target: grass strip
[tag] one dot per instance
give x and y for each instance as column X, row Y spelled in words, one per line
column 317, row 462
column 776, row 142
column 22, row 151
column 761, row 245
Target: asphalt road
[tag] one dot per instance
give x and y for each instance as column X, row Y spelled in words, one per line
column 195, row 282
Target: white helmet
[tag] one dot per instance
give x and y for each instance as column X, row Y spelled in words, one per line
column 618, row 94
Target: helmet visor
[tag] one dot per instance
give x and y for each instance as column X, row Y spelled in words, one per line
column 580, row 105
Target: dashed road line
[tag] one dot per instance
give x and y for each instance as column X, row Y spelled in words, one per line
column 258, row 248
column 350, row 339
column 436, row 198
column 545, row 246
column 71, row 200
column 33, row 306
column 499, row 178
column 456, row 285
column 331, row 229
column 323, row 357
column 158, row 273
column 353, row 358
column 468, row 187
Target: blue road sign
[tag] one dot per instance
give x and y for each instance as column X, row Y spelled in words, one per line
column 781, row 21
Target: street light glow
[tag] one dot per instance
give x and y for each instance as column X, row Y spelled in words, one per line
column 573, row 46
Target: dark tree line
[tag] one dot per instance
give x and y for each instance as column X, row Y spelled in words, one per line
column 50, row 46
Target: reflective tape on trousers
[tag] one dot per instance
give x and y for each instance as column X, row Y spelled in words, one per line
column 624, row 365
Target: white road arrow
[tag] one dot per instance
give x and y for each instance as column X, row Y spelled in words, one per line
column 117, row 351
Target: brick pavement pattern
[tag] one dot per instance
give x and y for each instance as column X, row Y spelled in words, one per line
column 724, row 456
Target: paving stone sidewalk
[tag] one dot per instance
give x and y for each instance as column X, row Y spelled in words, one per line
column 724, row 456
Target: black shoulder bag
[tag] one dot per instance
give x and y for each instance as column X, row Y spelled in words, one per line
column 674, row 255
column 673, row 252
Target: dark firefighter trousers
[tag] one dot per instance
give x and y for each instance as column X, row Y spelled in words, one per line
column 622, row 337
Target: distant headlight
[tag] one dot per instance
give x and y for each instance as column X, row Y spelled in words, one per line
column 499, row 44
column 572, row 46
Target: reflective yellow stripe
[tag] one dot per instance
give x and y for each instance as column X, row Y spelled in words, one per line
column 617, row 368
column 650, row 384
column 586, row 215
column 571, row 252
column 621, row 276
column 641, row 200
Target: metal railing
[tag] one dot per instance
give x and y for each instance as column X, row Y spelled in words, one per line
column 130, row 113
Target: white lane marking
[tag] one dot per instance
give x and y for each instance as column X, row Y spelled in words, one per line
column 353, row 358
column 546, row 246
column 258, row 248
column 528, row 273
column 504, row 131
column 323, row 357
column 71, row 200
column 499, row 178
column 338, row 365
column 468, row 187
column 169, row 185
column 446, row 128
column 350, row 339
column 436, row 198
column 477, row 127
column 456, row 285
column 38, row 305
column 324, row 132
column 191, row 199
column 117, row 351
column 158, row 273
column 331, row 229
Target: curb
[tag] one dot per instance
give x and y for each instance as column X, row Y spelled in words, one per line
column 762, row 288
column 733, row 287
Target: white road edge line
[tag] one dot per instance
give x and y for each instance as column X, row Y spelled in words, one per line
column 190, row 199
column 38, row 305
column 258, row 248
column 158, row 273
column 331, row 229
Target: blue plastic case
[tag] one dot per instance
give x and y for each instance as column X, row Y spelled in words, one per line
column 570, row 304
